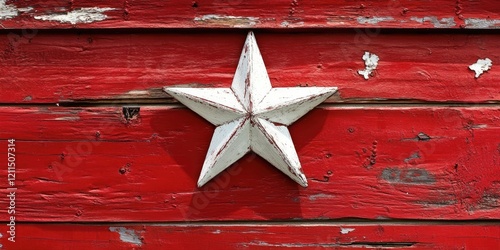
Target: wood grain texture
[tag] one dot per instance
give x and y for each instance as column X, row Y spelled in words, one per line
column 93, row 164
column 408, row 156
column 251, row 236
column 279, row 14
column 133, row 66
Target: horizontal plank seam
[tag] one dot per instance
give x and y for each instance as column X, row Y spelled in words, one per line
column 338, row 222
column 263, row 28
column 495, row 104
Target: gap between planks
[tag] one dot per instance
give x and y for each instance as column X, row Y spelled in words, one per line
column 172, row 104
column 337, row 222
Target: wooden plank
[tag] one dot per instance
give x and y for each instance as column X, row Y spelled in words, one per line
column 91, row 65
column 92, row 164
column 478, row 14
column 256, row 236
column 279, row 14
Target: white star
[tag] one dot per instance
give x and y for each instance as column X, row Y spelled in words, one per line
column 251, row 116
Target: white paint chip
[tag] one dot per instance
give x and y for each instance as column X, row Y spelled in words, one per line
column 371, row 63
column 481, row 66
column 287, row 24
column 234, row 21
column 82, row 15
column 138, row 92
column 320, row 196
column 346, row 230
column 445, row 22
column 481, row 23
column 374, row 20
column 127, row 235
column 68, row 118
column 27, row 9
column 8, row 11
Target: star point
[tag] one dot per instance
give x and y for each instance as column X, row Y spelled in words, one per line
column 251, row 116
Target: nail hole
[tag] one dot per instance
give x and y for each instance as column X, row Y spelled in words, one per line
column 131, row 112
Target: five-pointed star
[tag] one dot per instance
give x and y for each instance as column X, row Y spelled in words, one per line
column 251, row 116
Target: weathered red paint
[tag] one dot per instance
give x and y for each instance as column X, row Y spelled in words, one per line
column 264, row 14
column 91, row 164
column 88, row 65
column 414, row 151
column 265, row 236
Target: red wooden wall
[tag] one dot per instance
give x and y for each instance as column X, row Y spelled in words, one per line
column 408, row 159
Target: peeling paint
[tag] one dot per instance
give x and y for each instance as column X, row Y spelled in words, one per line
column 446, row 22
column 127, row 235
column 413, row 156
column 320, row 196
column 481, row 66
column 371, row 63
column 436, row 203
column 81, row 15
column 480, row 126
column 27, row 9
column 234, row 21
column 286, row 24
column 67, row 118
column 346, row 230
column 374, row 20
column 138, row 92
column 489, row 201
column 407, row 176
column 481, row 23
column 8, row 11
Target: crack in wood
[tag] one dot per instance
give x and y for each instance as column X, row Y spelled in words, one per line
column 361, row 244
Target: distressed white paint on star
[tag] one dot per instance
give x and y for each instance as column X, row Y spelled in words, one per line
column 251, row 116
column 81, row 15
column 481, row 66
column 371, row 63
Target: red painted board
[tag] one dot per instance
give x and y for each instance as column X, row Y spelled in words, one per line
column 133, row 66
column 475, row 16
column 256, row 236
column 92, row 164
column 279, row 14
